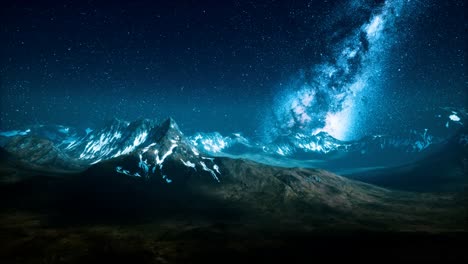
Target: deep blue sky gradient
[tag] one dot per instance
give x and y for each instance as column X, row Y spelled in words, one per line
column 212, row 65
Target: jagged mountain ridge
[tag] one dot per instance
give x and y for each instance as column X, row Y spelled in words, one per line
column 321, row 144
column 165, row 154
column 214, row 143
column 119, row 137
column 442, row 170
column 144, row 147
column 166, row 160
column 112, row 140
column 59, row 135
column 41, row 153
column 322, row 150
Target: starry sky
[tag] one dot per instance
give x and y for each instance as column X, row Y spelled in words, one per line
column 225, row 66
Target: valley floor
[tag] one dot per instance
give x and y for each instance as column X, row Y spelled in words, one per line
column 303, row 216
column 26, row 238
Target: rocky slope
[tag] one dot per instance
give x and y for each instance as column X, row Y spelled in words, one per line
column 40, row 153
column 165, row 201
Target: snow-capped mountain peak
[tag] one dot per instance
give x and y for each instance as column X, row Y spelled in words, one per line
column 157, row 152
column 114, row 139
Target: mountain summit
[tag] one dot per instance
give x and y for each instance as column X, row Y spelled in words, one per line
column 161, row 153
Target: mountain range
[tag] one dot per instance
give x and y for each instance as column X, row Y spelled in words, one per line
column 320, row 150
column 151, row 174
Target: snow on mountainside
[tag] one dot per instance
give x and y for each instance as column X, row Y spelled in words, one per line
column 214, row 143
column 323, row 146
column 320, row 144
column 323, row 151
column 117, row 138
column 57, row 134
column 142, row 148
column 160, row 153
column 114, row 139
column 120, row 137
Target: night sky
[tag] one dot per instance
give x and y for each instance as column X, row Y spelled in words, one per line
column 231, row 66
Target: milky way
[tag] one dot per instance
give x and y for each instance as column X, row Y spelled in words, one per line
column 347, row 67
column 328, row 96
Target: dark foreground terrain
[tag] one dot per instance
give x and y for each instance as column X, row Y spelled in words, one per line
column 29, row 239
column 256, row 214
